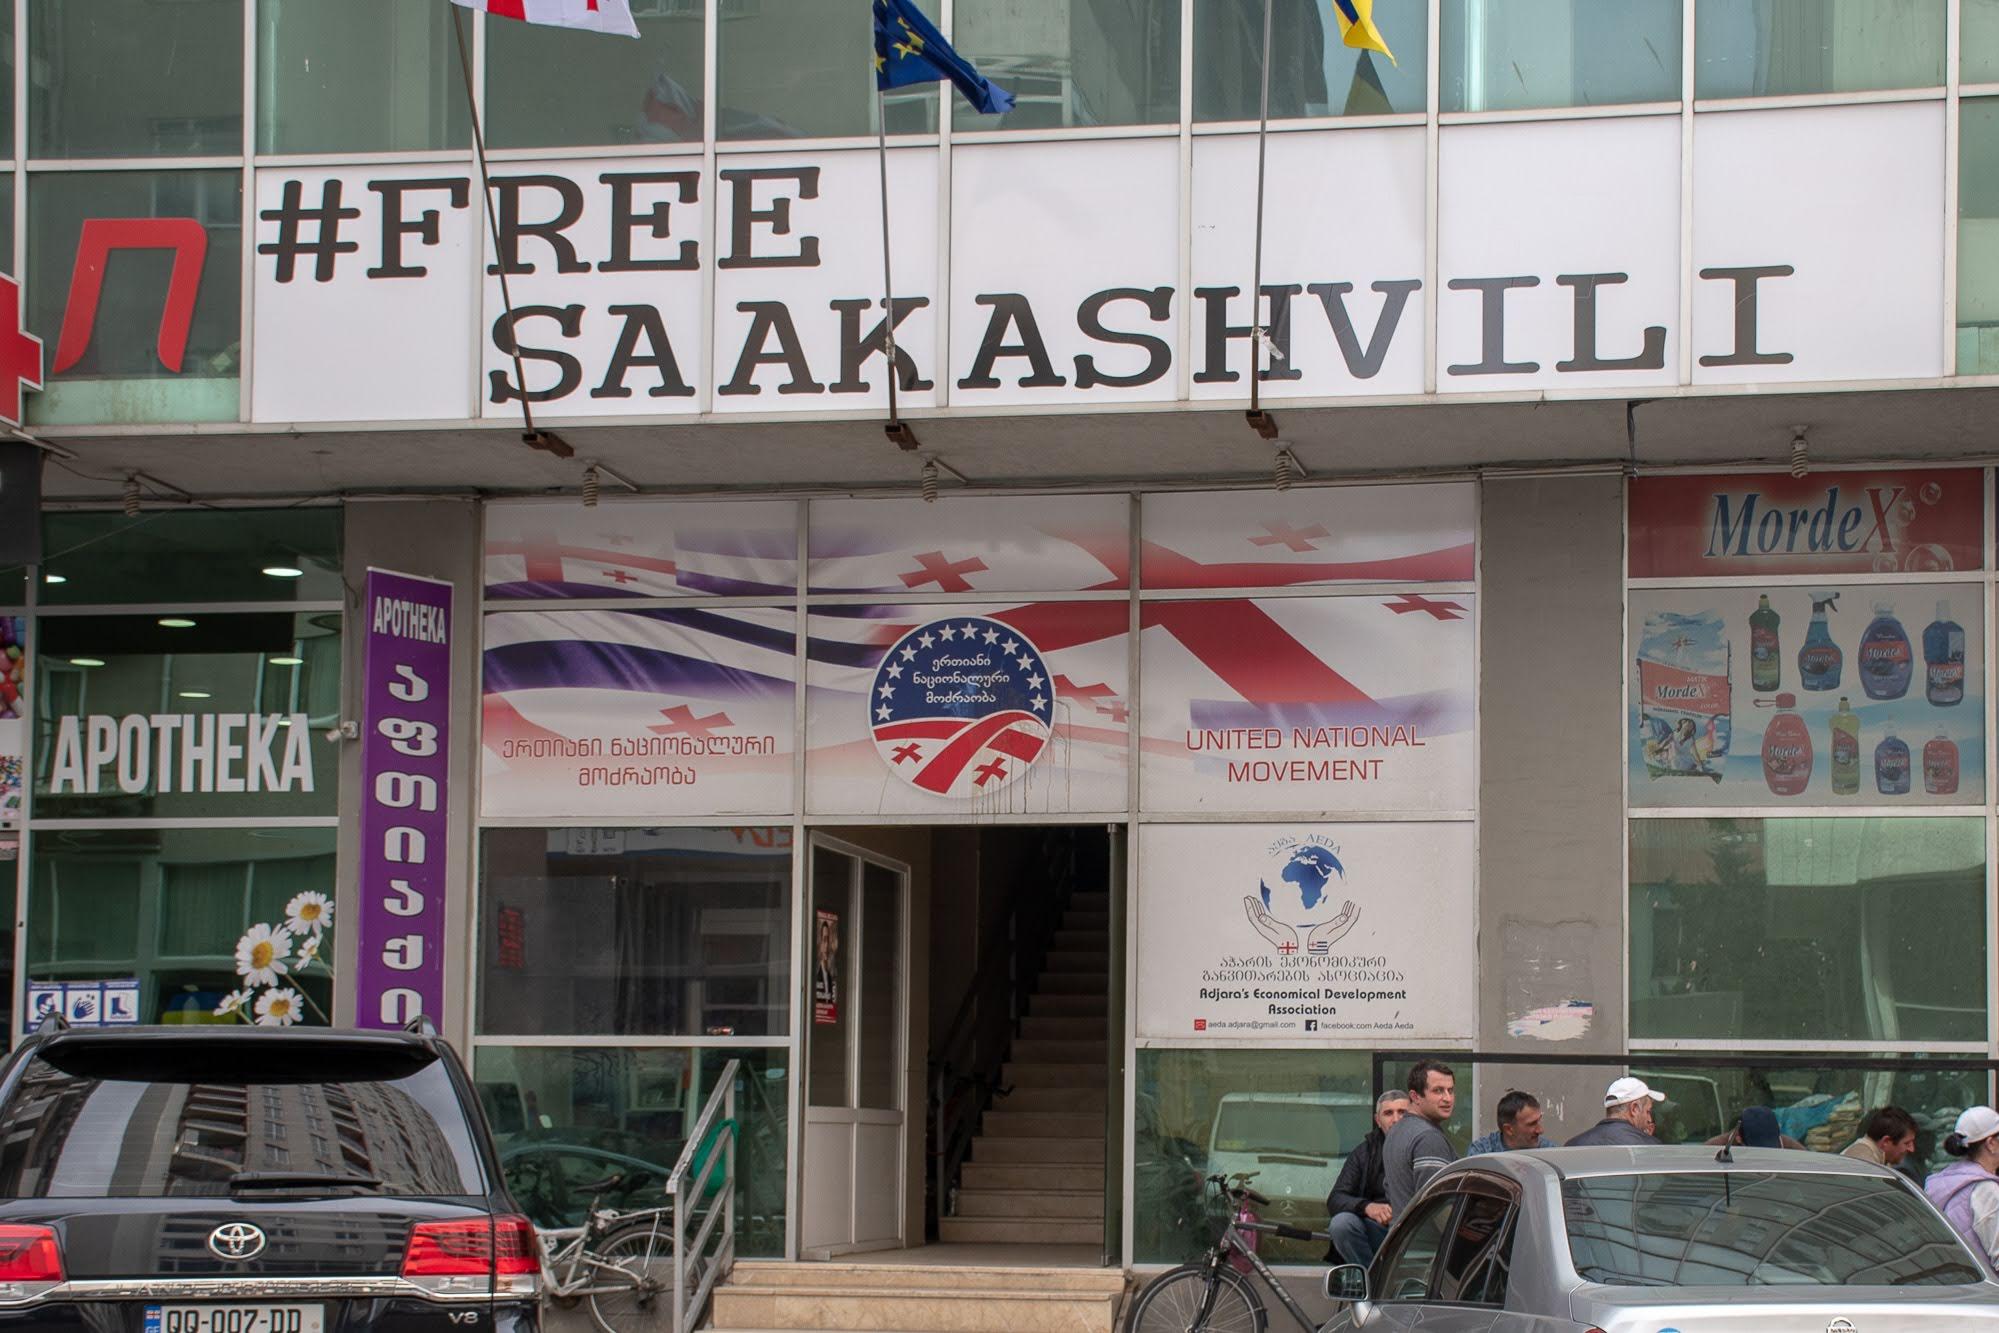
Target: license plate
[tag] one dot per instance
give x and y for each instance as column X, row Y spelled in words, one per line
column 242, row 1317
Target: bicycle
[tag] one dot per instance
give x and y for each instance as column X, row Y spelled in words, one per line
column 1211, row 1295
column 620, row 1261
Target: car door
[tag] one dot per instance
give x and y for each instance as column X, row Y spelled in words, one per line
column 1404, row 1274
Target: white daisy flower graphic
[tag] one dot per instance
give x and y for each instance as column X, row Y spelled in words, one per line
column 262, row 953
column 308, row 951
column 279, row 1008
column 232, row 1002
column 308, row 913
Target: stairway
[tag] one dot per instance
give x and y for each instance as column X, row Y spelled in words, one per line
column 1036, row 1173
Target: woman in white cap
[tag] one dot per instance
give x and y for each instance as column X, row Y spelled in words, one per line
column 1967, row 1192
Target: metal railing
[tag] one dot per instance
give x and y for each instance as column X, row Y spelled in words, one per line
column 687, row 1188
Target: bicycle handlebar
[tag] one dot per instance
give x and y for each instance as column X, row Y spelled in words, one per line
column 1241, row 1191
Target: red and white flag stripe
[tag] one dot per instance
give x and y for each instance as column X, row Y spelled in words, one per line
column 613, row 16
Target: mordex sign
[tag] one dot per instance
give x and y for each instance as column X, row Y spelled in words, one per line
column 1906, row 521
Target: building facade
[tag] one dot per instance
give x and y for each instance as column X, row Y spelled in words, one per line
column 1590, row 672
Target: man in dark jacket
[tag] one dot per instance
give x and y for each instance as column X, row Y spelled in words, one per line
column 1627, row 1117
column 1359, row 1201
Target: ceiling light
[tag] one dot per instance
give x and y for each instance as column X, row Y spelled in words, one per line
column 287, row 661
column 86, row 661
column 54, row 578
column 176, row 622
column 194, row 694
column 284, row 571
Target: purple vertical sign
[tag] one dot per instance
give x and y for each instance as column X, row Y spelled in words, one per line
column 405, row 751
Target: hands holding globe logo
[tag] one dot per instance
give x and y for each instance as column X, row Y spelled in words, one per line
column 1304, row 875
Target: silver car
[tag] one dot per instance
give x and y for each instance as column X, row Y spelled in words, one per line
column 1667, row 1240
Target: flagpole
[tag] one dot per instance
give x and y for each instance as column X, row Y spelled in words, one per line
column 530, row 436
column 895, row 428
column 1257, row 332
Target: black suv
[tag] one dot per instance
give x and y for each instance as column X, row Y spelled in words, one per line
column 253, row 1180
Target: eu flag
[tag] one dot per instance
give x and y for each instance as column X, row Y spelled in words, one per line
column 909, row 49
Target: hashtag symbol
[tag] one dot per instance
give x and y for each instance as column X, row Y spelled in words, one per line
column 291, row 217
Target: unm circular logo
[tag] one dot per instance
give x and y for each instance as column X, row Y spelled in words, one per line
column 961, row 707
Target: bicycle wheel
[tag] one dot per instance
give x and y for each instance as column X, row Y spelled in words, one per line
column 644, row 1253
column 1172, row 1303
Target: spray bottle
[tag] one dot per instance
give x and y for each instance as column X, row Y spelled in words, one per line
column 1819, row 661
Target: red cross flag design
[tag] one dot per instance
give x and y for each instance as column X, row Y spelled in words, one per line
column 20, row 353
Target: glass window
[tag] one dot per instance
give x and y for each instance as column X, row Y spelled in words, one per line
column 827, row 1078
column 1979, row 41
column 1823, row 1107
column 1406, row 1267
column 549, row 88
column 1507, row 55
column 564, row 1116
column 194, row 915
column 135, row 78
column 1742, row 1228
column 1072, row 62
column 1783, row 48
column 623, row 932
column 7, row 88
column 95, row 557
column 1475, row 1259
column 796, row 68
column 878, row 1063
column 1854, row 930
column 136, row 348
column 1202, row 1112
column 359, row 76
column 1978, row 237
column 164, row 716
column 88, row 1122
column 1312, row 72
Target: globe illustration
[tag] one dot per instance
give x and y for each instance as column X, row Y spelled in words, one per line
column 1303, row 883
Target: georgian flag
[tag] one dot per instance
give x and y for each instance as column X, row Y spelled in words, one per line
column 595, row 15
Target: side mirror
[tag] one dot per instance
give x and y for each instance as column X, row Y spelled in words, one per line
column 1346, row 1284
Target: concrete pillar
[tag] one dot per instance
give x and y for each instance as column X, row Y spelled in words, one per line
column 438, row 539
column 1551, row 816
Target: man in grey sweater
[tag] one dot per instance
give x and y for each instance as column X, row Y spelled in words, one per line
column 1627, row 1117
column 1417, row 1148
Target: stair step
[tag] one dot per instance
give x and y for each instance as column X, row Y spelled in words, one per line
column 777, row 1274
column 1073, row 983
column 1090, row 900
column 892, row 1306
column 1014, row 1074
column 1018, row 1231
column 1034, row 1051
column 1076, row 960
column 1081, row 1204
column 1076, row 1101
column 1029, row 1176
column 1012, row 1124
column 1020, row 1150
column 1075, row 920
column 1083, row 941
column 1067, row 1005
column 1066, row 1027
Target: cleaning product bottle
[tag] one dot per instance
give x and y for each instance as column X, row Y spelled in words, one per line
column 1787, row 749
column 1845, row 750
column 1886, row 660
column 1766, row 664
column 1891, row 766
column 1940, row 766
column 1943, row 659
column 1819, row 660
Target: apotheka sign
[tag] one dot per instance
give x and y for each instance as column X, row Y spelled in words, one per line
column 181, row 752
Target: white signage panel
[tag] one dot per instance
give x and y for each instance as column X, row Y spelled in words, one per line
column 641, row 548
column 363, row 294
column 1334, row 933
column 970, row 543
column 1558, row 248
column 1064, row 260
column 1312, row 535
column 1818, row 244
column 1346, row 314
column 603, row 262
column 799, row 320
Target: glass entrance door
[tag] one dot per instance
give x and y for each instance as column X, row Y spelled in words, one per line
column 855, row 1024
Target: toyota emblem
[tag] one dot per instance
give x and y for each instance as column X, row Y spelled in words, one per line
column 236, row 1240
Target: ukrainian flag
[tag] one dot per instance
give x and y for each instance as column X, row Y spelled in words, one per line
column 1357, row 27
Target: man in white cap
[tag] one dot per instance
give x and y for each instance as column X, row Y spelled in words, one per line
column 1627, row 1117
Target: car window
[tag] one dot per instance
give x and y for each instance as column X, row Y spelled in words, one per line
column 1407, row 1263
column 88, row 1129
column 1474, row 1268
column 1758, row 1228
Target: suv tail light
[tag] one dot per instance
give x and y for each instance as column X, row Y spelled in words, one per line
column 30, row 1263
column 475, row 1256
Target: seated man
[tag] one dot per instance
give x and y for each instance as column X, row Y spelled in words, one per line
column 1519, row 1116
column 1359, row 1201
